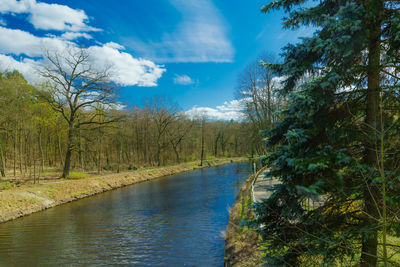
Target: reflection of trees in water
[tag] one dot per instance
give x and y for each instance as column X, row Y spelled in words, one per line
column 237, row 184
column 220, row 170
column 243, row 171
column 130, row 224
column 242, row 167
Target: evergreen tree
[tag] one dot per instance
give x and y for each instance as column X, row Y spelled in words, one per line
column 337, row 136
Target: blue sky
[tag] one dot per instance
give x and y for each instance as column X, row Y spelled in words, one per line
column 189, row 50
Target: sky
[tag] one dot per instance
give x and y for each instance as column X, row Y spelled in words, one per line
column 190, row 51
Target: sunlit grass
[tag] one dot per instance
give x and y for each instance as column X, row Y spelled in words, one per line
column 77, row 175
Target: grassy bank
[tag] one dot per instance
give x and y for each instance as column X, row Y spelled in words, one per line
column 26, row 199
column 241, row 242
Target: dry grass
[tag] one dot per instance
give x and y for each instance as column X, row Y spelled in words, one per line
column 242, row 243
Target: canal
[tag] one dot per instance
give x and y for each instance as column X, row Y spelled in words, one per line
column 173, row 221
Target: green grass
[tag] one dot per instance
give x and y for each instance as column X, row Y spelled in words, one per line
column 5, row 185
column 77, row 175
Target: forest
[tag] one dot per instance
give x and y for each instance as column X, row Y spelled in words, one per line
column 35, row 135
column 74, row 122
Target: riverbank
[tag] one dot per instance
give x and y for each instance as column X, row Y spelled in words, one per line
column 241, row 242
column 28, row 199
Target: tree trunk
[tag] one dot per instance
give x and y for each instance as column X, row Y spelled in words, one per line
column 59, row 147
column 15, row 151
column 371, row 194
column 178, row 160
column 80, row 156
column 216, row 145
column 175, row 148
column 99, row 160
column 20, row 154
column 119, row 155
column 3, row 174
column 223, row 144
column 34, row 166
column 158, row 153
column 68, row 155
column 202, row 143
column 41, row 151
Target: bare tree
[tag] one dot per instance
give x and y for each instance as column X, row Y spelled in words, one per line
column 75, row 84
column 203, row 122
column 178, row 131
column 256, row 86
column 163, row 112
column 256, row 89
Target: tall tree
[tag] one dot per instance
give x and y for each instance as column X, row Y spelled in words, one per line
column 256, row 92
column 75, row 84
column 331, row 131
column 202, row 122
column 164, row 113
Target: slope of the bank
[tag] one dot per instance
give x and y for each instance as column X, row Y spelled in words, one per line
column 27, row 199
column 241, row 243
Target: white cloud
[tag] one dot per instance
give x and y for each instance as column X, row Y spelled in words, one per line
column 228, row 111
column 20, row 42
column 49, row 16
column 14, row 6
column 128, row 70
column 26, row 67
column 29, row 48
column 75, row 35
column 115, row 46
column 118, row 106
column 200, row 37
column 183, row 79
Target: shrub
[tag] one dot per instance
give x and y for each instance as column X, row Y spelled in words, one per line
column 6, row 185
column 107, row 167
column 132, row 167
column 77, row 175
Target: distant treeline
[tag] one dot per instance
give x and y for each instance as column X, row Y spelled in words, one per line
column 35, row 135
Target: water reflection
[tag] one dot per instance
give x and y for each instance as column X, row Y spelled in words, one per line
column 166, row 222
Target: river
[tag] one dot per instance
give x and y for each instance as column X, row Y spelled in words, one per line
column 173, row 221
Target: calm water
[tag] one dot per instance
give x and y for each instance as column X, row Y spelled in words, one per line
column 174, row 221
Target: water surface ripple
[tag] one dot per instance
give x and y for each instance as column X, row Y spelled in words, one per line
column 174, row 221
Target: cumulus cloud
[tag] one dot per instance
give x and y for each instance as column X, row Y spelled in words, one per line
column 228, row 111
column 128, row 70
column 25, row 66
column 49, row 16
column 200, row 37
column 20, row 42
column 22, row 50
column 183, row 80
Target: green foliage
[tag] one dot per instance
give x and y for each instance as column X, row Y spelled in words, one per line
column 5, row 185
column 77, row 175
column 107, row 167
column 131, row 167
column 324, row 137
